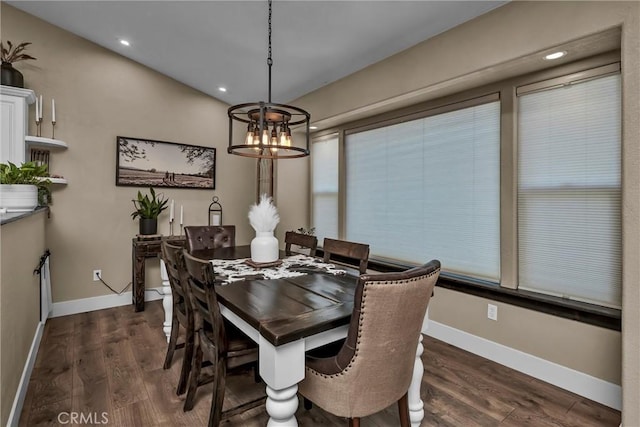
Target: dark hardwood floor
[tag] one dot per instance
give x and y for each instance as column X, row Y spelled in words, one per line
column 111, row 361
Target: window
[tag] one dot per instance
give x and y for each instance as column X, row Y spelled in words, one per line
column 429, row 188
column 325, row 187
column 425, row 182
column 569, row 218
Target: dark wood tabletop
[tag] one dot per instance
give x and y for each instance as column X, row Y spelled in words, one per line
column 287, row 309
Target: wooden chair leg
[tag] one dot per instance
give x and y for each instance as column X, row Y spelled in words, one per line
column 194, row 377
column 307, row 403
column 256, row 373
column 215, row 414
column 354, row 422
column 403, row 410
column 173, row 339
column 187, row 362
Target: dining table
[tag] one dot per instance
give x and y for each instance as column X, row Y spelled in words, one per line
column 288, row 316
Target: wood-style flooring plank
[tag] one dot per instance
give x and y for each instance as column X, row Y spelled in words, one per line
column 91, row 392
column 512, row 387
column 138, row 414
column 161, row 389
column 52, row 414
column 111, row 360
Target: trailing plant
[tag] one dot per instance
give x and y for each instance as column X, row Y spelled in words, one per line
column 149, row 207
column 14, row 53
column 28, row 174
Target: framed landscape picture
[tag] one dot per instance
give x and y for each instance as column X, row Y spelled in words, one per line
column 149, row 163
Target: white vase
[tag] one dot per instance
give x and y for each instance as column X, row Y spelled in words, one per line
column 264, row 247
column 18, row 197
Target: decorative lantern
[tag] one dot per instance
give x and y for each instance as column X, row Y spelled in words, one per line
column 215, row 212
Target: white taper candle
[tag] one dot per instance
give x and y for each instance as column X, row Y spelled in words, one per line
column 41, row 108
column 53, row 110
column 181, row 214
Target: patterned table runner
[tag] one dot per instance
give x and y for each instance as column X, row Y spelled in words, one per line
column 233, row 270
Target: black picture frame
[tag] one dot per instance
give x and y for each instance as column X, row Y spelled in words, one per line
column 150, row 163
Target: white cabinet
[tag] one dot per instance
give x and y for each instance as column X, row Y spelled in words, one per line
column 15, row 144
column 15, row 115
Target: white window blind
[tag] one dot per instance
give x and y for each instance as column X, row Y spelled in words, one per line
column 569, row 219
column 429, row 189
column 325, row 188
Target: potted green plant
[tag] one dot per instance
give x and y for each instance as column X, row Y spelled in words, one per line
column 23, row 188
column 10, row 54
column 148, row 209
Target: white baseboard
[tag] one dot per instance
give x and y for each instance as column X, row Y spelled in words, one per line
column 83, row 305
column 577, row 382
column 21, row 392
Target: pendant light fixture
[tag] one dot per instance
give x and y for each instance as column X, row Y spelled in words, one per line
column 269, row 126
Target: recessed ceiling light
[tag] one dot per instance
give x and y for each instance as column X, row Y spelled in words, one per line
column 313, row 127
column 222, row 89
column 125, row 42
column 555, row 55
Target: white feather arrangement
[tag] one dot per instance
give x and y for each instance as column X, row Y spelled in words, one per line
column 264, row 215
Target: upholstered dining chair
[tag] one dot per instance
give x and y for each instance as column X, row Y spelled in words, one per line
column 221, row 343
column 210, row 236
column 302, row 240
column 343, row 248
column 374, row 366
column 182, row 312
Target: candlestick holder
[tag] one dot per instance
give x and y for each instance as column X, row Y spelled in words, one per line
column 53, row 129
column 38, row 129
column 181, row 227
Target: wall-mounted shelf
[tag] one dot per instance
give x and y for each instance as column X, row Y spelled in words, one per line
column 16, row 146
column 46, row 143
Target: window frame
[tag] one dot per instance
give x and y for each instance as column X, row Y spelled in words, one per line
column 507, row 90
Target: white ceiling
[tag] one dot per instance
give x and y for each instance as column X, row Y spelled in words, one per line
column 207, row 44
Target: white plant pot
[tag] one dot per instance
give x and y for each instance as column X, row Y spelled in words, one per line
column 264, row 247
column 18, row 197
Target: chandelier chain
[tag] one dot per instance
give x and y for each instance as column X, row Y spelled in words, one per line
column 269, row 59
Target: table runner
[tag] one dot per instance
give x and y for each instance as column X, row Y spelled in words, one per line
column 233, row 270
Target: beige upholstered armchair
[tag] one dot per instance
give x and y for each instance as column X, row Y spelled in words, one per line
column 374, row 366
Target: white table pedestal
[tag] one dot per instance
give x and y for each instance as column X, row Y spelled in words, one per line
column 167, row 300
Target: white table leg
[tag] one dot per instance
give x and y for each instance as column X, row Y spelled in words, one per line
column 416, row 407
column 281, row 406
column 282, row 368
column 167, row 300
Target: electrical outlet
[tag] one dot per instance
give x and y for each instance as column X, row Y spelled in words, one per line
column 492, row 312
column 97, row 274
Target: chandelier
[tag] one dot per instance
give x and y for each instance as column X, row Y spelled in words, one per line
column 268, row 125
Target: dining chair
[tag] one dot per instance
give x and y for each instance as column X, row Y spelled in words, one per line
column 182, row 312
column 221, row 343
column 343, row 248
column 210, row 236
column 374, row 366
column 302, row 240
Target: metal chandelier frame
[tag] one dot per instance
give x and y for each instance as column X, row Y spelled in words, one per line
column 269, row 125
